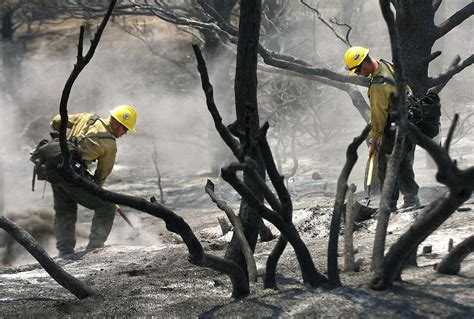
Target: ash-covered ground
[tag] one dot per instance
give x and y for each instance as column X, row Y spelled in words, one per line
column 148, row 273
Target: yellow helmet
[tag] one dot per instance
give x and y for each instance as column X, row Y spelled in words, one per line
column 125, row 115
column 354, row 57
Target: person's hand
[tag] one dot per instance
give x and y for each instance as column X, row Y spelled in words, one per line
column 373, row 147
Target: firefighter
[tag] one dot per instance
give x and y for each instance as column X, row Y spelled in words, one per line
column 96, row 141
column 382, row 135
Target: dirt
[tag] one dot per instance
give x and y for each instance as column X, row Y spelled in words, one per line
column 149, row 274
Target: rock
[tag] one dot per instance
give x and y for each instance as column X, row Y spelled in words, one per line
column 316, row 176
column 427, row 249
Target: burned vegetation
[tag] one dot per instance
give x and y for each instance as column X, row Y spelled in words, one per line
column 253, row 164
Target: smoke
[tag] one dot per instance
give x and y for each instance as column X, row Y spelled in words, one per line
column 172, row 114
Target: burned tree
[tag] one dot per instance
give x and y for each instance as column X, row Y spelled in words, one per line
column 460, row 183
column 247, row 118
column 281, row 212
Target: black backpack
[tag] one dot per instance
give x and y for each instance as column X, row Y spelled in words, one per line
column 424, row 112
column 47, row 156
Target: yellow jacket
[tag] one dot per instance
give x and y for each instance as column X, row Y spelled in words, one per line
column 379, row 97
column 97, row 143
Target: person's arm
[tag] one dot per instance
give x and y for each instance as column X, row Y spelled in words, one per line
column 379, row 106
column 105, row 164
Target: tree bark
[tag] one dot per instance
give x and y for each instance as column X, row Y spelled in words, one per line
column 247, row 117
column 384, row 207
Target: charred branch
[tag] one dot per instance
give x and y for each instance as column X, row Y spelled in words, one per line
column 451, row 264
column 431, row 57
column 351, row 159
column 224, row 132
column 321, row 18
column 449, row 137
column 357, row 98
column 174, row 223
column 455, row 20
column 310, row 275
column 284, row 61
column 71, row 283
column 285, row 201
column 433, row 216
column 81, row 62
column 238, row 229
column 455, row 68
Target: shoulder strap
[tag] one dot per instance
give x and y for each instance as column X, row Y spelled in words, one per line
column 92, row 119
column 380, row 79
column 100, row 134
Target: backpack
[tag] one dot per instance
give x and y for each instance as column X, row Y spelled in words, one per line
column 47, row 156
column 424, row 112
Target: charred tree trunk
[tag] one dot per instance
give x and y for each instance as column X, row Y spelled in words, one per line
column 451, row 264
column 280, row 216
column 247, row 118
column 418, row 33
column 415, row 22
column 384, row 207
column 351, row 159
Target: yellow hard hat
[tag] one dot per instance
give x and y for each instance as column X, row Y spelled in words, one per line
column 125, row 115
column 354, row 57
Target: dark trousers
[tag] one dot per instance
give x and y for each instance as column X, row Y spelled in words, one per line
column 405, row 182
column 66, row 198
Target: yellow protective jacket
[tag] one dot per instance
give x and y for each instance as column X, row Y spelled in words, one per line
column 379, row 97
column 96, row 143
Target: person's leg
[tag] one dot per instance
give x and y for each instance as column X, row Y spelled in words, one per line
column 408, row 185
column 104, row 214
column 64, row 220
column 386, row 147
